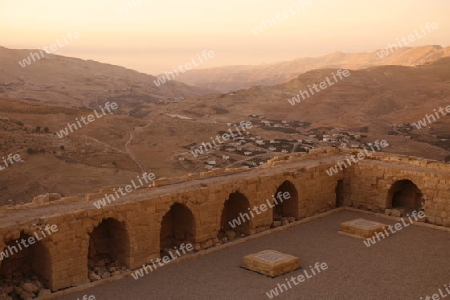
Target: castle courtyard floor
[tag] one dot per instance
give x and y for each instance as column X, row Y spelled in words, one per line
column 409, row 264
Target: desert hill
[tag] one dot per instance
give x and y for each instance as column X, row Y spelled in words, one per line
column 381, row 98
column 367, row 94
column 73, row 82
column 232, row 78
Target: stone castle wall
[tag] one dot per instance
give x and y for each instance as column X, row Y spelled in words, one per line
column 130, row 229
column 370, row 181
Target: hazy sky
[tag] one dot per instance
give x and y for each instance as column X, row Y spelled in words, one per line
column 156, row 35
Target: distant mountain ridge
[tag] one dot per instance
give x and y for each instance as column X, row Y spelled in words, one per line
column 232, row 78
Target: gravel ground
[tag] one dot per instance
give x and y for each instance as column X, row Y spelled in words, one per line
column 410, row 264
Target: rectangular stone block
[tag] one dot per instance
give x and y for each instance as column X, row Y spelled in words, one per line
column 271, row 263
column 361, row 228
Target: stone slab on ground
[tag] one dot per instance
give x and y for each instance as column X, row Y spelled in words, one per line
column 271, row 263
column 361, row 228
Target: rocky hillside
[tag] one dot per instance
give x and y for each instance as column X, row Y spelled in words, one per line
column 73, row 82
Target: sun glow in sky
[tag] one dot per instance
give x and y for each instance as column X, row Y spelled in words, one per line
column 152, row 36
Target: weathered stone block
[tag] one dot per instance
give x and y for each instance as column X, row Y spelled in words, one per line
column 396, row 213
column 362, row 228
column 271, row 263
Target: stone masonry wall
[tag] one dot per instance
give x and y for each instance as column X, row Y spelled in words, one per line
column 368, row 184
column 365, row 185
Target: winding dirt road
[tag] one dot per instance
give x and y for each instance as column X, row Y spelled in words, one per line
column 127, row 149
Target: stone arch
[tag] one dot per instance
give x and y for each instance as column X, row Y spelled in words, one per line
column 404, row 194
column 177, row 227
column 32, row 262
column 109, row 248
column 235, row 210
column 285, row 205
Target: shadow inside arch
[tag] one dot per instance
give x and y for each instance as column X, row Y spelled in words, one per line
column 109, row 250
